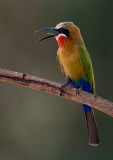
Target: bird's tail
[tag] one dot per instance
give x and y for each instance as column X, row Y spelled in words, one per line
column 92, row 129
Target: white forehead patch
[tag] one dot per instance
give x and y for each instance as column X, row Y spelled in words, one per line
column 63, row 24
column 57, row 37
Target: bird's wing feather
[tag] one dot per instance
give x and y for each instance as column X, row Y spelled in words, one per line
column 86, row 62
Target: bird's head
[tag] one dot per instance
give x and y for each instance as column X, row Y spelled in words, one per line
column 64, row 32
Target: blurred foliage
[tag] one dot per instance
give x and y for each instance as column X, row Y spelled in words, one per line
column 36, row 125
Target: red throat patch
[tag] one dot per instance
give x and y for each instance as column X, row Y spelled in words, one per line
column 60, row 39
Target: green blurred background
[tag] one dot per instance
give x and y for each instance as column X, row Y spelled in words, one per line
column 36, row 125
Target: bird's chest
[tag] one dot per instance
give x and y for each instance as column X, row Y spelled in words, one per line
column 70, row 59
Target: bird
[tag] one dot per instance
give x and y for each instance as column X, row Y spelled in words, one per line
column 75, row 64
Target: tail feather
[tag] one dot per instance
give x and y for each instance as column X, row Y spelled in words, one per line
column 92, row 129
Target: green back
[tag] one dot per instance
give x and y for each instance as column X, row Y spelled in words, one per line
column 86, row 62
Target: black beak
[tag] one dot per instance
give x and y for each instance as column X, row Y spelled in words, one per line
column 50, row 34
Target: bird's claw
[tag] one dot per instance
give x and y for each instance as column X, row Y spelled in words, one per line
column 63, row 86
column 78, row 90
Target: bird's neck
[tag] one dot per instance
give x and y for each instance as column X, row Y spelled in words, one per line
column 60, row 39
column 65, row 42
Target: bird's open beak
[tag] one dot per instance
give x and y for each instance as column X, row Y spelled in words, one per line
column 50, row 34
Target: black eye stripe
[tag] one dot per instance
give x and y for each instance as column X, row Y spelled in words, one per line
column 64, row 31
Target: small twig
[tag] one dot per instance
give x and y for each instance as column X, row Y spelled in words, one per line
column 68, row 92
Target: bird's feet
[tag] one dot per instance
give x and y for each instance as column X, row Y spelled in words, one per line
column 63, row 86
column 78, row 89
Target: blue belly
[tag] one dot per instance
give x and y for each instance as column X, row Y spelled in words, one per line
column 85, row 86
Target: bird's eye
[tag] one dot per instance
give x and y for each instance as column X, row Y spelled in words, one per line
column 64, row 31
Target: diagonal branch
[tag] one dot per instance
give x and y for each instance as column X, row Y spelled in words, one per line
column 68, row 92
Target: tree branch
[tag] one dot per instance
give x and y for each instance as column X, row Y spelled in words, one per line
column 68, row 92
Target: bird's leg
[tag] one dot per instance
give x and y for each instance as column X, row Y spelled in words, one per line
column 64, row 85
column 78, row 89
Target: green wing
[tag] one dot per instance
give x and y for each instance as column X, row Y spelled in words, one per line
column 86, row 62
